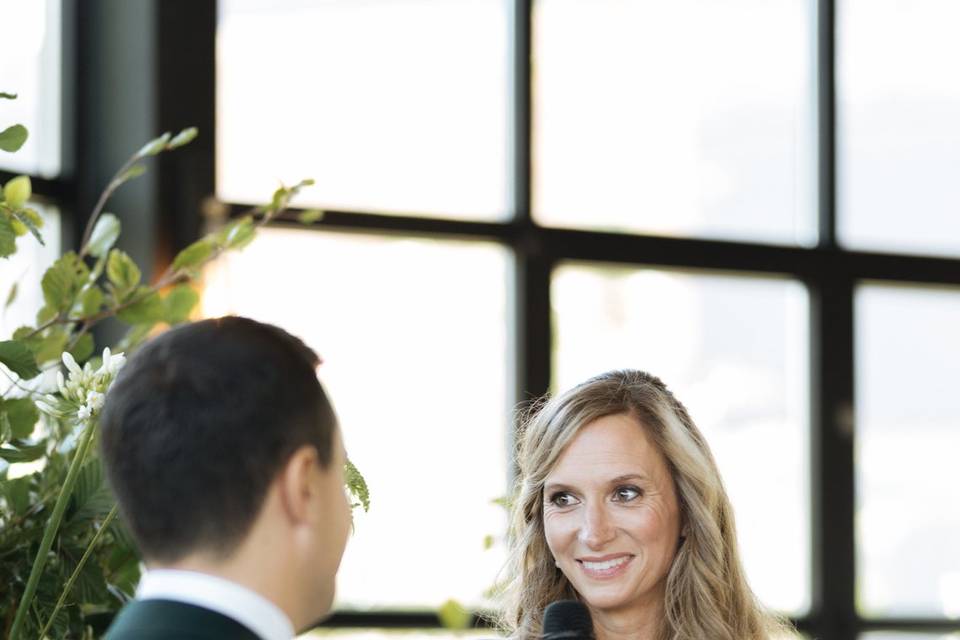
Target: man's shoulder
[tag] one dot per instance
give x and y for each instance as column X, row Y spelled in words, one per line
column 167, row 619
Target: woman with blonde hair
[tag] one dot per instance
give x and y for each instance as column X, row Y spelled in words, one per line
column 620, row 505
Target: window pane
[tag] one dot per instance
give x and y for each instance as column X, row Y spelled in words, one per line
column 688, row 117
column 391, row 105
column 734, row 350
column 899, row 139
column 413, row 337
column 908, row 480
column 30, row 68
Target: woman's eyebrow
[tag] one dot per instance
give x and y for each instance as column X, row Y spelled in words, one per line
column 554, row 486
column 562, row 486
column 629, row 476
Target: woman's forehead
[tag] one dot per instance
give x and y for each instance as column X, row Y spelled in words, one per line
column 610, row 446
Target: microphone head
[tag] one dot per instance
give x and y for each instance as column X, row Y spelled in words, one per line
column 567, row 619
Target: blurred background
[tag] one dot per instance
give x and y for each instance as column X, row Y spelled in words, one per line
column 756, row 200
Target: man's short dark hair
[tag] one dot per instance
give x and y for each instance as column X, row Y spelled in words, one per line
column 198, row 424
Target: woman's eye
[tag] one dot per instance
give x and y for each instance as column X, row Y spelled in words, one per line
column 626, row 494
column 562, row 499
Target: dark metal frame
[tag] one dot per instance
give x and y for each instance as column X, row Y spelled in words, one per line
column 182, row 77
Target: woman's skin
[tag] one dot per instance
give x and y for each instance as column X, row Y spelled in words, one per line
column 612, row 522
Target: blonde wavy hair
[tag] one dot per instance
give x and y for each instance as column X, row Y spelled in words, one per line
column 707, row 595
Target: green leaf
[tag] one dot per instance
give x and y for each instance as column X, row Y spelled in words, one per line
column 134, row 336
column 46, row 314
column 52, row 345
column 12, row 138
column 91, row 584
column 149, row 309
column 8, row 96
column 123, row 273
column 91, row 497
column 63, row 281
column 6, row 429
column 17, row 494
column 18, row 358
column 90, row 301
column 488, row 541
column 29, row 222
column 453, row 615
column 17, row 192
column 241, row 234
column 105, row 234
column 83, row 349
column 34, row 217
column 21, row 333
column 310, row 216
column 180, row 302
column 236, row 234
column 279, row 197
column 356, row 485
column 11, row 296
column 18, row 227
column 22, row 452
column 194, row 255
column 183, row 138
column 8, row 238
column 155, row 146
column 22, row 414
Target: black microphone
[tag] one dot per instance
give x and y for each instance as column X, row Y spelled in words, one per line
column 567, row 620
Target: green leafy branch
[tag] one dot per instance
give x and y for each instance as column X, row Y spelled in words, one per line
column 60, row 543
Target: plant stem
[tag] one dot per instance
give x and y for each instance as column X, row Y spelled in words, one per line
column 53, row 525
column 115, row 182
column 76, row 572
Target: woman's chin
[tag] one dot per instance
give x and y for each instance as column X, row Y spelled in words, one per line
column 606, row 598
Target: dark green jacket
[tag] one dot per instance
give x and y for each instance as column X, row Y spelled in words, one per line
column 169, row 620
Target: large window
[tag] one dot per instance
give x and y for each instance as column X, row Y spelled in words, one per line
column 30, row 68
column 753, row 199
column 521, row 194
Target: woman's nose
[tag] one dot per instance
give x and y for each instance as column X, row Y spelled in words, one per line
column 597, row 529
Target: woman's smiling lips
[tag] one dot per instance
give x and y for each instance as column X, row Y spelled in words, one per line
column 605, row 567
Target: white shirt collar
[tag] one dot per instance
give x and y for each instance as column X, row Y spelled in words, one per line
column 247, row 607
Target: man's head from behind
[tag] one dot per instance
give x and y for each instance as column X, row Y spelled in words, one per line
column 219, row 441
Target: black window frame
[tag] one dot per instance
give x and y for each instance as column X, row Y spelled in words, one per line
column 180, row 70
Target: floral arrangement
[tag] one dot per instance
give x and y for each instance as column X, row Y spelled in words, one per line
column 67, row 564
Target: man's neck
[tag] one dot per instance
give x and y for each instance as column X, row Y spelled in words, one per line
column 270, row 578
column 220, row 595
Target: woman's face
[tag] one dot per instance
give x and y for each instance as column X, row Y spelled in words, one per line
column 611, row 516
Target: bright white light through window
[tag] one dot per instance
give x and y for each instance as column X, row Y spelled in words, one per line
column 413, row 334
column 899, row 136
column 30, row 68
column 908, row 480
column 687, row 117
column 393, row 106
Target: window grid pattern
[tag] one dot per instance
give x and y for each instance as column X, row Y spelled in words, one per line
column 830, row 273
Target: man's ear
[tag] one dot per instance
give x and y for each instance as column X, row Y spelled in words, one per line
column 297, row 484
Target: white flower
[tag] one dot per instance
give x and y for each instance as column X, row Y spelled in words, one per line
column 94, row 400
column 61, row 383
column 68, row 360
column 83, row 391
